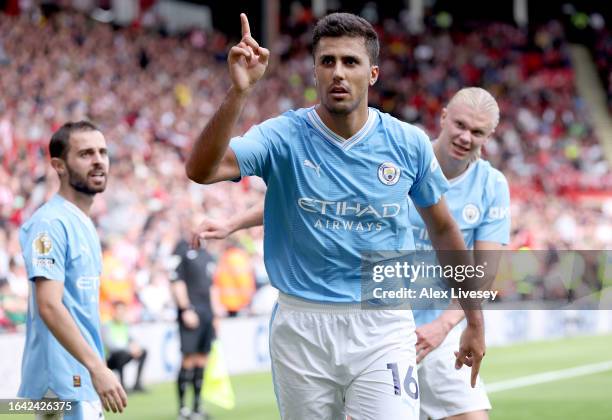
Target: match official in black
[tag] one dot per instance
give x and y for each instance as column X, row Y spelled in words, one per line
column 193, row 293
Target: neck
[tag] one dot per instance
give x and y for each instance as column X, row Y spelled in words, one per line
column 82, row 201
column 344, row 125
column 451, row 168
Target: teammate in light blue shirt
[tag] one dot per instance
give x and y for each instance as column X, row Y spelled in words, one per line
column 338, row 178
column 63, row 355
column 479, row 200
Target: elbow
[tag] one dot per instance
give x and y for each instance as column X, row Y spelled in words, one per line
column 47, row 310
column 198, row 175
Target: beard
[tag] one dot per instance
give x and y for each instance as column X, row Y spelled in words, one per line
column 79, row 183
column 342, row 108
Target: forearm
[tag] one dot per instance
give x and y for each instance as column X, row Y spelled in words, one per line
column 448, row 241
column 447, row 237
column 179, row 293
column 451, row 316
column 64, row 329
column 252, row 217
column 209, row 148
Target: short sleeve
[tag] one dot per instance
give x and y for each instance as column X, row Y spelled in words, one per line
column 495, row 226
column 45, row 247
column 178, row 258
column 252, row 151
column 430, row 183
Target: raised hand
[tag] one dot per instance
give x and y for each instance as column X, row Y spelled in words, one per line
column 247, row 60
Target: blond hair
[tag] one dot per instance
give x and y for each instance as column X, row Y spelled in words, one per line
column 480, row 99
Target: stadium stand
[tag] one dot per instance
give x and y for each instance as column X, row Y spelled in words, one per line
column 150, row 94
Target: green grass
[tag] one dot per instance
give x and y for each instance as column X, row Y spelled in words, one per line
column 583, row 397
column 254, row 401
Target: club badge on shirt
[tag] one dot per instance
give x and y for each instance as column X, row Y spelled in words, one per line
column 388, row 173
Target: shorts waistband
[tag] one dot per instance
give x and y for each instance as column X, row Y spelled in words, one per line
column 291, row 302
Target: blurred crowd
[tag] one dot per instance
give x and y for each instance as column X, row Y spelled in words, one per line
column 603, row 60
column 151, row 94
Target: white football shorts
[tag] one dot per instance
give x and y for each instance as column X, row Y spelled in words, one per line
column 334, row 360
column 82, row 410
column 446, row 391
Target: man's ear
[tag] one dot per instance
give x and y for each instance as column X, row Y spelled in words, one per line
column 443, row 115
column 59, row 165
column 374, row 70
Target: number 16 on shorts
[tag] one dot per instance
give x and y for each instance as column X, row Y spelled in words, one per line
column 404, row 383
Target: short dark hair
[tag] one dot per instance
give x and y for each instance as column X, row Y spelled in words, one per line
column 347, row 24
column 60, row 140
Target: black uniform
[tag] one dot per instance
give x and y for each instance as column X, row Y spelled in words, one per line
column 195, row 269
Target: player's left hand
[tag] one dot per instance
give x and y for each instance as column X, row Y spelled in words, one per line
column 209, row 229
column 471, row 349
column 429, row 337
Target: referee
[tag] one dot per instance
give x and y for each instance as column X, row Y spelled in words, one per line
column 192, row 290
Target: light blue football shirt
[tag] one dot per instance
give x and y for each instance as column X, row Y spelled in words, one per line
column 59, row 242
column 330, row 199
column 479, row 200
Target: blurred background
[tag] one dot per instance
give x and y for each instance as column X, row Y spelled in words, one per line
column 150, row 73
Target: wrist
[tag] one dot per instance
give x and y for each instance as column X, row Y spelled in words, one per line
column 232, row 226
column 474, row 318
column 446, row 324
column 239, row 93
column 94, row 365
column 186, row 308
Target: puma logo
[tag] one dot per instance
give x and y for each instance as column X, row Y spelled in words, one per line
column 309, row 164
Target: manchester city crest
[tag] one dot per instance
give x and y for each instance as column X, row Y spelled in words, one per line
column 388, row 173
column 470, row 213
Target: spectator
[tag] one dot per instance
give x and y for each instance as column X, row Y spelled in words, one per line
column 121, row 347
column 235, row 280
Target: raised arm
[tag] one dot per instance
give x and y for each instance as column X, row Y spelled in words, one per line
column 210, row 159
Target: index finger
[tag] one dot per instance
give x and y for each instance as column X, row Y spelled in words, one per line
column 123, row 397
column 246, row 30
column 475, row 370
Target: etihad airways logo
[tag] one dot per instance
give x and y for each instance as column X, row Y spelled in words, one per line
column 345, row 208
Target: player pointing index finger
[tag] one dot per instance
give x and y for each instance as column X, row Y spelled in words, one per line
column 360, row 159
column 246, row 30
